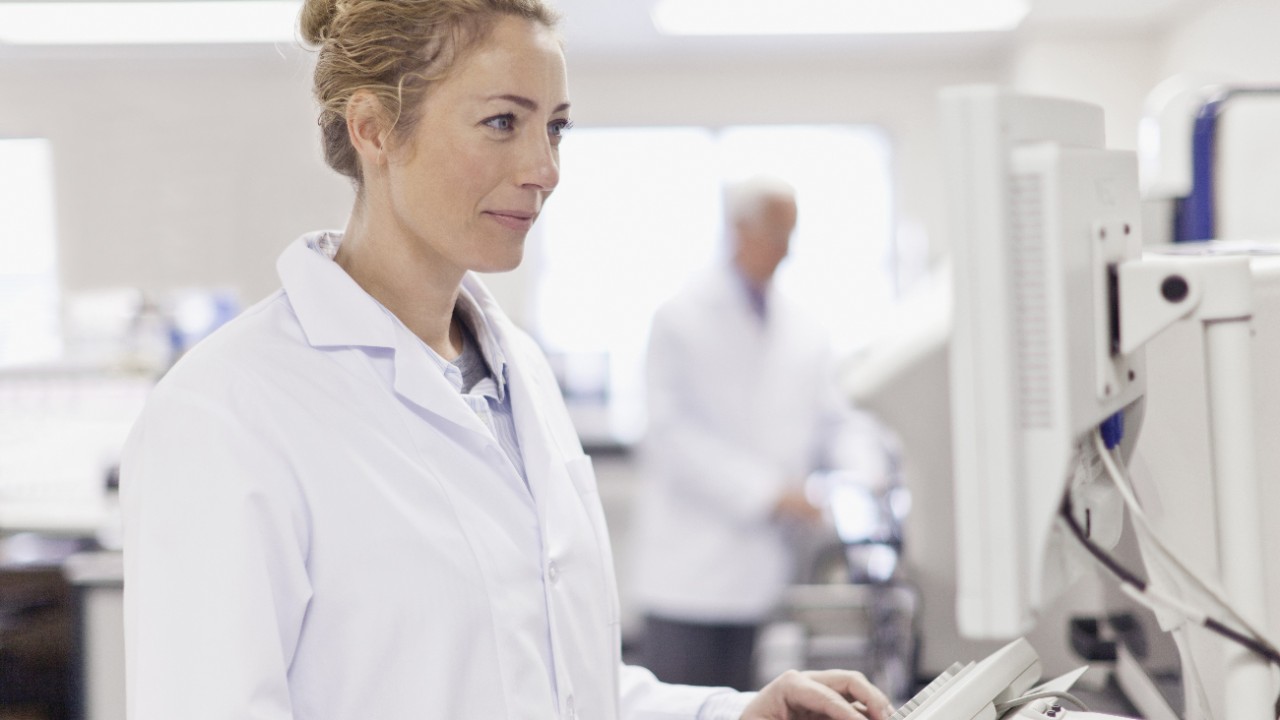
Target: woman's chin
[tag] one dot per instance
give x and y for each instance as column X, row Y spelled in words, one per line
column 500, row 263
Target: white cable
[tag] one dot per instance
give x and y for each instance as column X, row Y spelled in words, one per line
column 1121, row 481
column 1192, row 668
column 1170, row 559
column 1155, row 601
column 1022, row 700
column 1153, row 596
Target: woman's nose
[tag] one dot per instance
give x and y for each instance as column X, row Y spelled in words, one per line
column 540, row 167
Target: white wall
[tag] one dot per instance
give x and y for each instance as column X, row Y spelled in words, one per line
column 1233, row 39
column 1115, row 72
column 174, row 168
column 196, row 167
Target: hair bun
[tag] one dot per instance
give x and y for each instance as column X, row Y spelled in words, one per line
column 316, row 19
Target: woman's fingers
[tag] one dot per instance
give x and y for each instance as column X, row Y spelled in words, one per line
column 854, row 686
column 829, row 694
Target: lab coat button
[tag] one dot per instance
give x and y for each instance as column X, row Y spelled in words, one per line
column 553, row 572
column 570, row 712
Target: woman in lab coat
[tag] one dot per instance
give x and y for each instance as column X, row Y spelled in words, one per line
column 364, row 498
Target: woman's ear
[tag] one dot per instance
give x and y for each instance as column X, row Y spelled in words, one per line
column 367, row 128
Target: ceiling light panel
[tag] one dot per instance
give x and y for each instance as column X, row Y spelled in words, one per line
column 835, row 17
column 148, row 23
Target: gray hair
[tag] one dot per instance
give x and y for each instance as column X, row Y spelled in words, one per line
column 745, row 200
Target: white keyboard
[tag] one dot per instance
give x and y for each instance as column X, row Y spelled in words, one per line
column 967, row 691
column 943, row 681
column 971, row 691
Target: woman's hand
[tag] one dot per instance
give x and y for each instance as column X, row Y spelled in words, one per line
column 819, row 695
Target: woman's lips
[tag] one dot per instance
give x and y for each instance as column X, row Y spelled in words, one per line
column 513, row 219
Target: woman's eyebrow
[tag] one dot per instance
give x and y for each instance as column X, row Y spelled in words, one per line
column 527, row 103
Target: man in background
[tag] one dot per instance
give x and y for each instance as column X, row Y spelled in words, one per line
column 742, row 408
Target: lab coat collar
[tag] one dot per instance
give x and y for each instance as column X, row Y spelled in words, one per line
column 493, row 334
column 334, row 311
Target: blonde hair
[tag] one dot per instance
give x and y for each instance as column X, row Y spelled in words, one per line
column 396, row 50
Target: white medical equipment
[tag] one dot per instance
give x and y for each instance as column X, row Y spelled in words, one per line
column 1042, row 214
column 1052, row 307
column 61, row 430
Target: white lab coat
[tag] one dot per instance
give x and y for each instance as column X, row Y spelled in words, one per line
column 738, row 410
column 317, row 527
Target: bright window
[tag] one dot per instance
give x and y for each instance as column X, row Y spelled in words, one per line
column 638, row 210
column 28, row 274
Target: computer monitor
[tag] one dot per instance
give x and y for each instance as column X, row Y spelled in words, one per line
column 1041, row 216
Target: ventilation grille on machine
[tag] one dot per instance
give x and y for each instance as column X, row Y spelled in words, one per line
column 1031, row 301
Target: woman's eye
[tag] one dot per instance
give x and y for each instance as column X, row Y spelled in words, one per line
column 558, row 128
column 501, row 122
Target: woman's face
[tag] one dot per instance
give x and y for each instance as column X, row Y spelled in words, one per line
column 469, row 182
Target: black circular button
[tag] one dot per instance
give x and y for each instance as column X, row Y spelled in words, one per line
column 1174, row 288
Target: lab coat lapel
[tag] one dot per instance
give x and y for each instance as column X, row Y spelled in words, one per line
column 542, row 462
column 544, row 465
column 334, row 311
column 419, row 380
